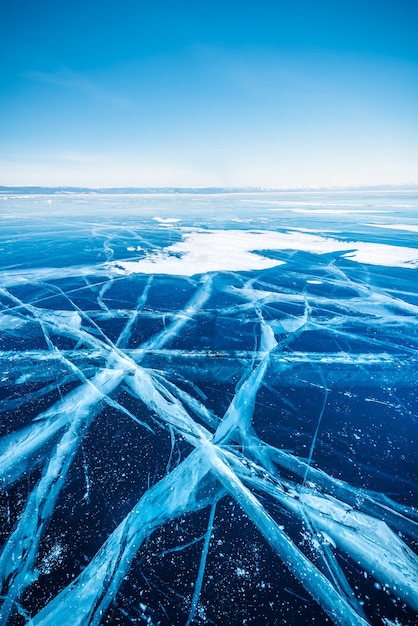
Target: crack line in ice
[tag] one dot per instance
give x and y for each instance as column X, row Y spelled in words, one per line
column 202, row 566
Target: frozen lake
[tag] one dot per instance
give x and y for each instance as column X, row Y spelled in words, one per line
column 209, row 408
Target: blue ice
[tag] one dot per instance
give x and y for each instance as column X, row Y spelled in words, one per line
column 210, row 378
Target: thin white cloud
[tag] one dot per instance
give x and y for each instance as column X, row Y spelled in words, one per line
column 76, row 81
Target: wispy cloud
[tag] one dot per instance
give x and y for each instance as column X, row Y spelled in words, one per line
column 76, row 81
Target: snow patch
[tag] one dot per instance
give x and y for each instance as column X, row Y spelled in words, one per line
column 234, row 250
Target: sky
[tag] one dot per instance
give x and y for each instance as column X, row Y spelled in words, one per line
column 198, row 93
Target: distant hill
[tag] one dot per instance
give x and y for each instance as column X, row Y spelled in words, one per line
column 24, row 190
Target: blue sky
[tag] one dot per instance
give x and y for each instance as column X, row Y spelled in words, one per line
column 209, row 93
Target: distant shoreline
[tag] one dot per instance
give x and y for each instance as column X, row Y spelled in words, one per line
column 39, row 190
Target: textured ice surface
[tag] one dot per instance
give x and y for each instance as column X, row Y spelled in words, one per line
column 209, row 409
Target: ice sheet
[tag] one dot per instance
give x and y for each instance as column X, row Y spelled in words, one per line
column 204, row 424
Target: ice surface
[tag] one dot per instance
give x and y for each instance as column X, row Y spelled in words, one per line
column 201, row 252
column 205, row 423
column 412, row 228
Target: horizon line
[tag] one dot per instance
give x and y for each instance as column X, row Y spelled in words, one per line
column 170, row 189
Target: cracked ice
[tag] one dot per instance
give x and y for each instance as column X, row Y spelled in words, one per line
column 204, row 420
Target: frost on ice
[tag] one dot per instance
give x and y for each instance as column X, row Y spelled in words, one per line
column 212, row 444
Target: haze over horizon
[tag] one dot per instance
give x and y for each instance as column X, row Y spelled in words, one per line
column 237, row 94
